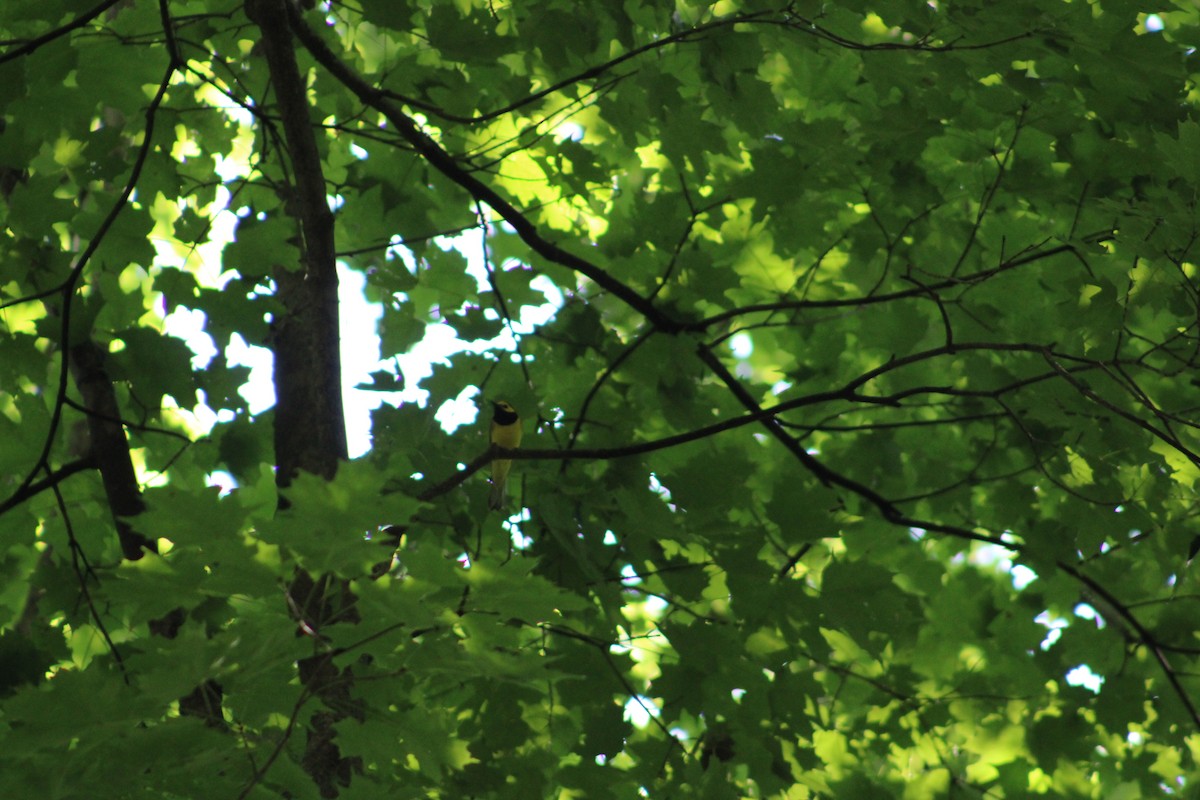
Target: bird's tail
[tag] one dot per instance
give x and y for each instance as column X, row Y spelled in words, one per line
column 498, row 494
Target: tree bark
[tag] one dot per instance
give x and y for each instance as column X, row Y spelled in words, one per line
column 108, row 448
column 310, row 428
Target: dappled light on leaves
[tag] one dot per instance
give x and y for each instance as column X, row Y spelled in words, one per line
column 854, row 350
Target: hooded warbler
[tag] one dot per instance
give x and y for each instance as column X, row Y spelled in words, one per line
column 506, row 432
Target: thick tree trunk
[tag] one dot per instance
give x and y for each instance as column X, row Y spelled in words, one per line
column 310, row 429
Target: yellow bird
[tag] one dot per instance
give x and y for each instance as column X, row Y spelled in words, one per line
column 506, row 432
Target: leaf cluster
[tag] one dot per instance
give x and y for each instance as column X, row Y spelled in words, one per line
column 861, row 448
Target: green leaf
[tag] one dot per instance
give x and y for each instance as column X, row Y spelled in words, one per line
column 460, row 38
column 155, row 365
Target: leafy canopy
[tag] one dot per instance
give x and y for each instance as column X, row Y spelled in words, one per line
column 860, row 456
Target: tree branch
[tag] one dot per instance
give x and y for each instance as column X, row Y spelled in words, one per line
column 51, row 480
column 449, row 167
column 83, row 19
column 67, row 288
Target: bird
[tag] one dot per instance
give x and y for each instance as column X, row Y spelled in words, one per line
column 506, row 432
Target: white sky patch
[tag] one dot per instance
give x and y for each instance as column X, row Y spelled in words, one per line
column 639, row 709
column 655, row 605
column 986, row 555
column 659, row 489
column 1055, row 626
column 1022, row 576
column 1085, row 611
column 222, row 479
column 460, row 411
column 188, row 324
column 259, row 389
column 359, row 321
column 1083, row 676
column 519, row 540
column 741, row 345
column 568, row 130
